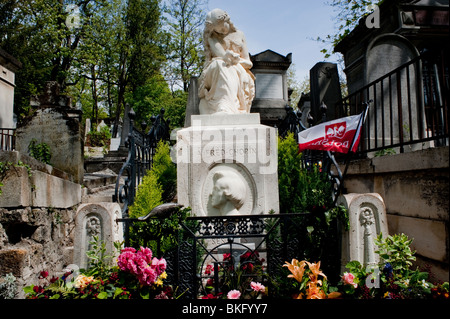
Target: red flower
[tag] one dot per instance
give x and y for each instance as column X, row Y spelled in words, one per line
column 209, row 269
column 53, row 279
column 38, row 289
column 43, row 274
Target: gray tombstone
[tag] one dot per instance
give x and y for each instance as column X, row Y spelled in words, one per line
column 367, row 218
column 385, row 54
column 271, row 90
column 325, row 88
column 58, row 125
column 99, row 220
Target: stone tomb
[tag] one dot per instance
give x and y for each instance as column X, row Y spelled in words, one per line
column 271, row 94
column 98, row 220
column 367, row 217
column 232, row 153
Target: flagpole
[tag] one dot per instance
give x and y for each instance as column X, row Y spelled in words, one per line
column 349, row 154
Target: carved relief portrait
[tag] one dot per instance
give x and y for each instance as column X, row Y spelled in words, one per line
column 228, row 193
column 228, row 190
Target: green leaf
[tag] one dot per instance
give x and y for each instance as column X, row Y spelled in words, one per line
column 56, row 296
column 102, row 295
column 28, row 289
column 117, row 292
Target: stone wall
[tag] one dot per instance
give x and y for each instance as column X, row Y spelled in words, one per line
column 415, row 189
column 38, row 204
column 33, row 240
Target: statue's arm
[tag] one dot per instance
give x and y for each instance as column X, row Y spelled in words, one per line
column 245, row 56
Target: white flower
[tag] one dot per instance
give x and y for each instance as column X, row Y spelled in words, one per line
column 425, row 284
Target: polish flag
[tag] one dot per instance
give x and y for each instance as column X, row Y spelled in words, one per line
column 340, row 135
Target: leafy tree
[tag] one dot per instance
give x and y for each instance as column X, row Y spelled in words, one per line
column 184, row 26
column 348, row 15
column 47, row 36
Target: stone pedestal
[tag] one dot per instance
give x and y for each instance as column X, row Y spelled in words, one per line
column 367, row 216
column 233, row 151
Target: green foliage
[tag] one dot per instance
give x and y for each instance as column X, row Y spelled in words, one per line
column 165, row 171
column 308, row 190
column 157, row 187
column 387, row 151
column 396, row 251
column 393, row 277
column 40, row 151
column 103, row 279
column 289, row 187
column 99, row 139
column 148, row 99
column 349, row 14
column 183, row 22
column 148, row 196
column 99, row 261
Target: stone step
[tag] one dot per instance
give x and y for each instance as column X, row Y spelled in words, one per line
column 99, row 186
column 92, row 165
column 99, row 178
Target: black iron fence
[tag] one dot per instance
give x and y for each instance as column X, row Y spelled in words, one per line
column 215, row 254
column 7, row 139
column 141, row 149
column 410, row 107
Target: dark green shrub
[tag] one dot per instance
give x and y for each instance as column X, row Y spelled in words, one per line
column 158, row 186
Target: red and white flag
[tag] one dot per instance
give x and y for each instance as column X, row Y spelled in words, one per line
column 340, row 135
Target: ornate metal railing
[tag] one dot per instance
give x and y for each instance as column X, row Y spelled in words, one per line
column 141, row 148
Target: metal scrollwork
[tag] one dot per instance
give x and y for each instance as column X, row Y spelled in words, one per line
column 141, row 148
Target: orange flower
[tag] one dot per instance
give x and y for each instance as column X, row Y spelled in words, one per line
column 296, row 268
column 315, row 272
column 315, row 292
column 334, row 295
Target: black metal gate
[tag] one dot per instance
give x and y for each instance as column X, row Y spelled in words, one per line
column 217, row 254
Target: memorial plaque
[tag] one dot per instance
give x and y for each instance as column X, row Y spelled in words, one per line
column 269, row 86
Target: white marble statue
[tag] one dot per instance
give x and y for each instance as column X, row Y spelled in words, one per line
column 229, row 193
column 226, row 85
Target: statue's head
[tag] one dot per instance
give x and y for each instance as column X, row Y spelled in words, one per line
column 228, row 186
column 217, row 15
column 219, row 21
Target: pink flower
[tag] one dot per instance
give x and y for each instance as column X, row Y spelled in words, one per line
column 258, row 287
column 234, row 294
column 146, row 254
column 348, row 278
column 147, row 276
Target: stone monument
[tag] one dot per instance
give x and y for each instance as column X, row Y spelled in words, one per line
column 271, row 88
column 96, row 220
column 227, row 160
column 226, row 84
column 367, row 218
column 56, row 123
column 325, row 88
